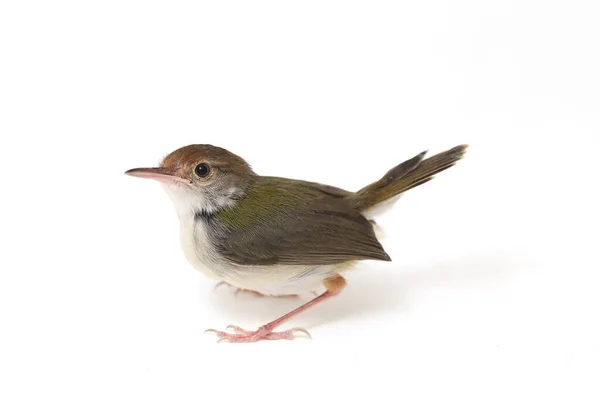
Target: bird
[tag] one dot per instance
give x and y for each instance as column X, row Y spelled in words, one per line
column 276, row 236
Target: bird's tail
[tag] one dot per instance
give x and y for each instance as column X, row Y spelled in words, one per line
column 409, row 174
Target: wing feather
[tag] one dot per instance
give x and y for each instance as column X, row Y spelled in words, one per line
column 296, row 224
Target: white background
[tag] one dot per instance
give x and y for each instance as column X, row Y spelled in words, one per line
column 493, row 289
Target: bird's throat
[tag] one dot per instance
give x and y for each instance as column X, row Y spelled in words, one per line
column 196, row 204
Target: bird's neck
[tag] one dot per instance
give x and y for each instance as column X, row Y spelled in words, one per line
column 190, row 205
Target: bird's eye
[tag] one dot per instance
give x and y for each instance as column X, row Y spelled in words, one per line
column 202, row 170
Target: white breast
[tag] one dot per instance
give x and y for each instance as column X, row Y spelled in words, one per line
column 195, row 243
column 197, row 248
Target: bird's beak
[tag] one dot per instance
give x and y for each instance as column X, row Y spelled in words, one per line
column 159, row 174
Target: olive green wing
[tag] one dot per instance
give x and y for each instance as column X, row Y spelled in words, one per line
column 296, row 224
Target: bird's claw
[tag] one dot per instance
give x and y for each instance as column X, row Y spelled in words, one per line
column 262, row 333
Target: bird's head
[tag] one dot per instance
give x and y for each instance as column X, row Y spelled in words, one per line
column 200, row 177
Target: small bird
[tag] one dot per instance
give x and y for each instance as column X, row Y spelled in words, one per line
column 276, row 236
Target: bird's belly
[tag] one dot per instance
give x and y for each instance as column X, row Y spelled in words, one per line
column 273, row 280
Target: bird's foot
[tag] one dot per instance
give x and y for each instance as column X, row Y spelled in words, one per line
column 263, row 333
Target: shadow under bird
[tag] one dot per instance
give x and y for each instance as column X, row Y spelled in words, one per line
column 275, row 236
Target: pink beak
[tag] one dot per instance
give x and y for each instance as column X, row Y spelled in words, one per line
column 159, row 174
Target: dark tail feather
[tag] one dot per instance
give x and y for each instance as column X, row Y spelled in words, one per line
column 409, row 174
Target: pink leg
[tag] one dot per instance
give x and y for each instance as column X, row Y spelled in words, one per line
column 333, row 285
column 254, row 292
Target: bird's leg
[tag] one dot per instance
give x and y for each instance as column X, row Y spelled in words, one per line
column 254, row 292
column 333, row 286
column 218, row 285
